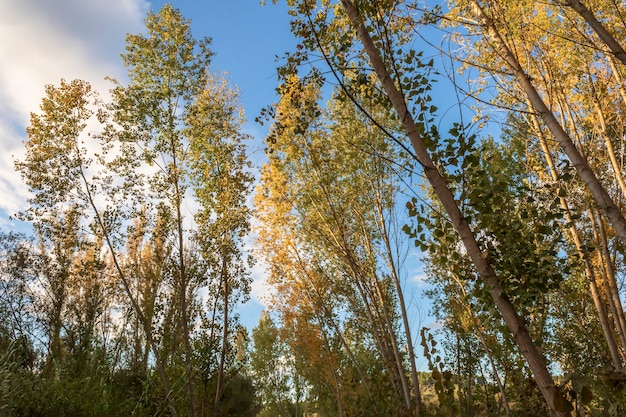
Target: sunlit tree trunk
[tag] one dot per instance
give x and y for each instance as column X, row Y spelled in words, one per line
column 605, row 265
column 617, row 170
column 612, row 281
column 225, row 289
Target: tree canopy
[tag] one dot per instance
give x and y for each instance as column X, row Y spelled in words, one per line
column 146, row 211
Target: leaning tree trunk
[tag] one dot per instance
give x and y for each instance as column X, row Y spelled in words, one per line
column 160, row 364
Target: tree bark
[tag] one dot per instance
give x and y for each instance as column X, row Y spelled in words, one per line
column 225, row 330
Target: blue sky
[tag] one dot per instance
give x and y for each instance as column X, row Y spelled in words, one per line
column 44, row 41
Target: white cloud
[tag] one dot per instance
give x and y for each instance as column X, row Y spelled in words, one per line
column 435, row 325
column 42, row 42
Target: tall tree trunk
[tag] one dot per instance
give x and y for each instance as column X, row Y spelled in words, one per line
column 375, row 308
column 617, row 170
column 333, row 371
column 618, row 78
column 211, row 342
column 380, row 329
column 391, row 263
column 133, row 301
column 58, row 292
column 608, row 277
column 515, row 324
column 327, row 316
column 613, row 288
column 183, row 284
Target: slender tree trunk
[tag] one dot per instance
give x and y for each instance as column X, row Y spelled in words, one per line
column 184, row 316
column 327, row 316
column 183, row 284
column 296, row 382
column 459, row 382
column 470, row 385
column 379, row 331
column 382, row 333
column 494, row 371
column 618, row 78
column 617, row 170
column 59, row 295
column 342, row 412
column 570, row 119
column 134, row 303
column 373, row 317
column 382, row 309
column 515, row 324
column 383, row 326
column 403, row 312
column 606, row 280
column 613, row 288
column 401, row 372
column 605, row 265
